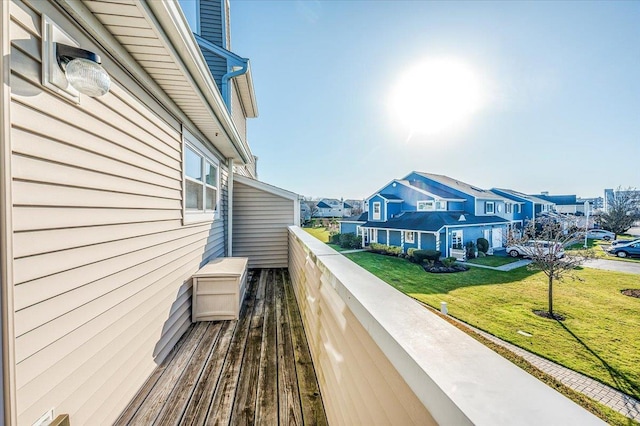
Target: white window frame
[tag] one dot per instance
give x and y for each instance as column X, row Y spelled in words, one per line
column 518, row 208
column 426, row 206
column 374, row 236
column 508, row 208
column 409, row 237
column 441, row 205
column 457, row 235
column 378, row 215
column 486, row 207
column 204, row 215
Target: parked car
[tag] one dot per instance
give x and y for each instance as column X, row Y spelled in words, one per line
column 601, row 234
column 624, row 242
column 626, row 250
column 532, row 247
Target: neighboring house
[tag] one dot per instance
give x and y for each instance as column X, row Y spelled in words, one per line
column 430, row 211
column 305, row 212
column 597, row 203
column 331, row 207
column 357, row 206
column 526, row 207
column 110, row 204
column 353, row 224
column 609, row 195
column 564, row 204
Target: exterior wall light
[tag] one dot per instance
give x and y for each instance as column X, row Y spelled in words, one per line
column 83, row 70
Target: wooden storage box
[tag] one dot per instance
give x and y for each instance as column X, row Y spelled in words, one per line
column 218, row 289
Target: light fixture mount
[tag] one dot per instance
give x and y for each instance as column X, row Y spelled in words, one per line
column 66, row 53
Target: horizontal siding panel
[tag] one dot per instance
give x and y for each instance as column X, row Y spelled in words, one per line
column 53, row 151
column 28, row 218
column 106, row 339
column 38, row 194
column 38, row 242
column 125, row 134
column 25, row 40
column 27, row 17
column 130, row 267
column 32, row 169
column 34, row 267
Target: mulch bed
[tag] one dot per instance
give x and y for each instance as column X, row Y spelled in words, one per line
column 632, row 292
column 439, row 268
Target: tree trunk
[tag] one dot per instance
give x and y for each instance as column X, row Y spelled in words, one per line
column 551, row 295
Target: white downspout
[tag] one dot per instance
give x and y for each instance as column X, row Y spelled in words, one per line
column 230, row 210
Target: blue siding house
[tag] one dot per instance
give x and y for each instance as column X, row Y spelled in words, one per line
column 531, row 206
column 430, row 211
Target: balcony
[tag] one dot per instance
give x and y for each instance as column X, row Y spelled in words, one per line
column 326, row 341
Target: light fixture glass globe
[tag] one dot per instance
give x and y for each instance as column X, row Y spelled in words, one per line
column 87, row 77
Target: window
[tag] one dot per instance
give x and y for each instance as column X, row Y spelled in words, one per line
column 409, row 237
column 489, row 207
column 441, row 205
column 201, row 182
column 518, row 208
column 456, row 239
column 374, row 235
column 508, row 207
column 376, row 211
column 425, row 206
column 191, row 10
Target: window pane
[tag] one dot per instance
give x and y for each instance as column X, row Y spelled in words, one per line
column 194, row 195
column 192, row 164
column 211, row 174
column 211, row 198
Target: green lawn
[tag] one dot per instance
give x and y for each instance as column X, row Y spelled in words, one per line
column 320, row 233
column 599, row 247
column 599, row 337
column 493, row 260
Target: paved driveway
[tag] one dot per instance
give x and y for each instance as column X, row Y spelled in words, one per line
column 613, row 265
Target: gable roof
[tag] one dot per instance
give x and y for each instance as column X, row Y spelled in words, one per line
column 463, row 187
column 433, row 221
column 522, row 196
column 362, row 217
column 390, row 197
column 323, row 205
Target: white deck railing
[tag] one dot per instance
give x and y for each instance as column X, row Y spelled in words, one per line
column 381, row 358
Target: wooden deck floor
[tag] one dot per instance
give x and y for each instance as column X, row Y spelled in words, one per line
column 257, row 370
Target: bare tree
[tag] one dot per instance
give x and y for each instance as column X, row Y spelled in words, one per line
column 622, row 210
column 544, row 242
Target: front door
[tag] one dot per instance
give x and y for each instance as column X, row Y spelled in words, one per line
column 496, row 240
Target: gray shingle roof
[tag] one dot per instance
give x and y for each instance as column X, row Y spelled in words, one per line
column 433, row 221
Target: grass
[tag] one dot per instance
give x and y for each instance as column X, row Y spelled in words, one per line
column 599, row 337
column 320, row 233
column 492, row 260
column 599, row 247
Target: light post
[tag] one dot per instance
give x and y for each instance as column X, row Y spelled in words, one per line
column 586, row 222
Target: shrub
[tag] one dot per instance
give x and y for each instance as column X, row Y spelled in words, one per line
column 334, row 238
column 387, row 250
column 410, row 256
column 449, row 261
column 470, row 248
column 350, row 241
column 483, row 245
column 422, row 255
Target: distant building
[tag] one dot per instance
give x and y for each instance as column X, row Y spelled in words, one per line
column 609, row 195
column 331, row 207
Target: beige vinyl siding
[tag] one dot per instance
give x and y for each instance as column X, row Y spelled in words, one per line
column 102, row 261
column 359, row 384
column 260, row 221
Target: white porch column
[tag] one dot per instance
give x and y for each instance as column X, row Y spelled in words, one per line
column 438, row 241
column 419, row 240
column 388, row 238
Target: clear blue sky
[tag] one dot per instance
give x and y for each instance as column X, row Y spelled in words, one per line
column 561, row 82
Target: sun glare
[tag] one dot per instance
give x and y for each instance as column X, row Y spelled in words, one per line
column 435, row 96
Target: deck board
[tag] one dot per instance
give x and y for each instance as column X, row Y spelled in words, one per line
column 256, row 370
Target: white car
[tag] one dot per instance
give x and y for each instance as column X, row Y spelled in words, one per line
column 601, row 234
column 533, row 247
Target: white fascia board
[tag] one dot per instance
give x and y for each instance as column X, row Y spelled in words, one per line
column 169, row 19
column 266, row 187
column 402, row 230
